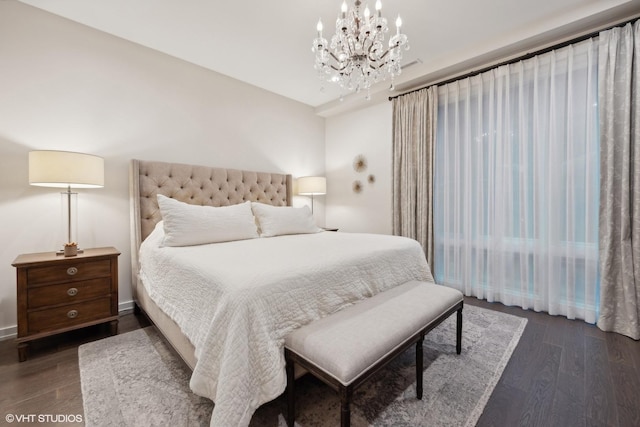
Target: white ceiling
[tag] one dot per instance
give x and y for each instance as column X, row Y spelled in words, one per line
column 268, row 43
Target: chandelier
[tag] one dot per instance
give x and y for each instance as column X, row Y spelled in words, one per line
column 357, row 56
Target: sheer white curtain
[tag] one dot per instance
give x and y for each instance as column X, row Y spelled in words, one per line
column 517, row 188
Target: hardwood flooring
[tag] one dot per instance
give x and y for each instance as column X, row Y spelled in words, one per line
column 563, row 373
column 49, row 381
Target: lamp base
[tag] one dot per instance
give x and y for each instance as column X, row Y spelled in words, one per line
column 67, row 252
column 62, row 253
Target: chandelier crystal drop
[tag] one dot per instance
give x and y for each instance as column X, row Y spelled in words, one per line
column 357, row 56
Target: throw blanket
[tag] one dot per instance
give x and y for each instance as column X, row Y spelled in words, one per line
column 236, row 301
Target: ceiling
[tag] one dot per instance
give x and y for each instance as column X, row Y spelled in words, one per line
column 268, row 43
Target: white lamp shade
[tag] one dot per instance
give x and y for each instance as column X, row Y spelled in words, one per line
column 65, row 169
column 312, row 185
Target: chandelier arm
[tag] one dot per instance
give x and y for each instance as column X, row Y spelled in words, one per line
column 367, row 40
column 333, row 67
column 333, row 56
column 369, row 51
column 386, row 52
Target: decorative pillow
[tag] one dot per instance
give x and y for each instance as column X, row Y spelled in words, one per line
column 276, row 221
column 186, row 225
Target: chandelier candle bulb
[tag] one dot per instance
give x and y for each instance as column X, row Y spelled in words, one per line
column 344, row 9
column 379, row 8
column 319, row 28
column 398, row 24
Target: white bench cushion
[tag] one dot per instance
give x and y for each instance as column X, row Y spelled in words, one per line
column 348, row 342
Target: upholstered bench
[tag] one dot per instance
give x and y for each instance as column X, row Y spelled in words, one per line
column 346, row 348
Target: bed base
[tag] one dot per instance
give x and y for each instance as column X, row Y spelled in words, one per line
column 167, row 327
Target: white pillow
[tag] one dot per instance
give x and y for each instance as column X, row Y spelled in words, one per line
column 279, row 220
column 186, row 225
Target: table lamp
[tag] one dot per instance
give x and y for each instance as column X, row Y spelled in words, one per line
column 312, row 185
column 64, row 169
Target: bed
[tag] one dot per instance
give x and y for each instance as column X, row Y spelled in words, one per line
column 226, row 307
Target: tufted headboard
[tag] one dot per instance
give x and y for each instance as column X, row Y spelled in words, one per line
column 198, row 185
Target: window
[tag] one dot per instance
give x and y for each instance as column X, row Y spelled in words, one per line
column 516, row 184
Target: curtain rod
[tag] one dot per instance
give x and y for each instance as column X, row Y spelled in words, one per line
column 519, row 58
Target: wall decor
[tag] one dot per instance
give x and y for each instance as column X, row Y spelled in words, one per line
column 371, row 179
column 360, row 163
column 357, row 186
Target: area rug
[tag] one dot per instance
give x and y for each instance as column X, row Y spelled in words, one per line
column 135, row 379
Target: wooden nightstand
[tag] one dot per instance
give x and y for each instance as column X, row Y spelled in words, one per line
column 58, row 294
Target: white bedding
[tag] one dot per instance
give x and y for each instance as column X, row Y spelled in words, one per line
column 236, row 301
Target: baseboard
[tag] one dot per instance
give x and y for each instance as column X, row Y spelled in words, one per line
column 125, row 307
column 10, row 332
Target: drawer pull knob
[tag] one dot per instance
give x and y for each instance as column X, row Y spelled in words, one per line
column 72, row 314
column 71, row 271
column 72, row 292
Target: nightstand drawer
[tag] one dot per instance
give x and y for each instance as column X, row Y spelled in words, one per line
column 66, row 293
column 68, row 315
column 69, row 271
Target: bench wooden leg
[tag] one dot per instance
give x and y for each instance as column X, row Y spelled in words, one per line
column 345, row 407
column 459, row 331
column 419, row 366
column 291, row 394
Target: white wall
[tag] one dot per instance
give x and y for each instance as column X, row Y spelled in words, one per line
column 64, row 86
column 364, row 132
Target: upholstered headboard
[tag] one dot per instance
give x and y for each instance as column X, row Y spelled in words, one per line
column 198, row 185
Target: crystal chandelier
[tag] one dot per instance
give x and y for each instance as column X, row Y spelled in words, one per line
column 357, row 56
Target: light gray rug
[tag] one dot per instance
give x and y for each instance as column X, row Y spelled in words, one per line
column 135, row 380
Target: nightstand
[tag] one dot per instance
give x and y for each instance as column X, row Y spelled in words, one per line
column 58, row 294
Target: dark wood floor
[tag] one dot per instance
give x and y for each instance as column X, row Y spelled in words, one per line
column 563, row 373
column 566, row 373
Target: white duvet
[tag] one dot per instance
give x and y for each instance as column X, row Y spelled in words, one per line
column 236, row 301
